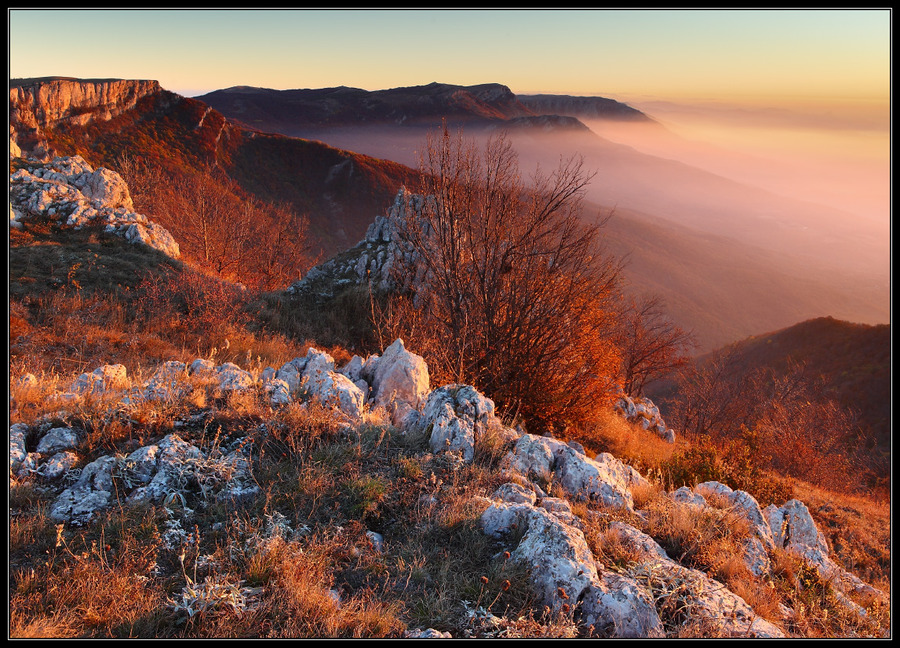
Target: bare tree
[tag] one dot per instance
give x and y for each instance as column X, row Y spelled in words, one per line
column 220, row 228
column 652, row 345
column 785, row 417
column 517, row 295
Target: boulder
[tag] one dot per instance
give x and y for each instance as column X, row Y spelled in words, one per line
column 167, row 382
column 56, row 440
column 616, row 606
column 17, row 451
column 232, row 378
column 93, row 491
column 511, row 493
column 58, row 465
column 400, row 377
column 457, row 416
column 563, row 572
column 690, row 592
column 532, row 456
column 330, row 387
column 603, row 479
column 560, row 561
column 278, row 391
column 101, row 380
column 171, row 463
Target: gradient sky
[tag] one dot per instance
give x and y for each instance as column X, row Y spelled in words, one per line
column 738, row 55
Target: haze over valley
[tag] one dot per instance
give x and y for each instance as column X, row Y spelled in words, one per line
column 738, row 241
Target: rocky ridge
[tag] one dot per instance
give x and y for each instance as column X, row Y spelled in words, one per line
column 373, row 262
column 537, row 530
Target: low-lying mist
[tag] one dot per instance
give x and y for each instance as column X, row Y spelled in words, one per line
column 830, row 154
column 742, row 225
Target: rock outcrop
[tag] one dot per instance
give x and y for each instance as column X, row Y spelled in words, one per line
column 373, row 262
column 642, row 411
column 555, row 493
column 603, row 479
column 70, row 191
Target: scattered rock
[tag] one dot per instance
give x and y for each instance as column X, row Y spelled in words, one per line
column 70, row 191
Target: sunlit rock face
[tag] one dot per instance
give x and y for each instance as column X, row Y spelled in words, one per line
column 46, row 103
column 400, row 381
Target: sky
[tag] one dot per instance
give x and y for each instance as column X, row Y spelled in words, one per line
column 749, row 55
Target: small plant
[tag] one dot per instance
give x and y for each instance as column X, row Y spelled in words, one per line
column 366, row 494
column 213, row 594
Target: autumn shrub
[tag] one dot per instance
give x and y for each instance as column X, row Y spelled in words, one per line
column 777, row 422
column 191, row 307
column 734, row 464
column 516, row 293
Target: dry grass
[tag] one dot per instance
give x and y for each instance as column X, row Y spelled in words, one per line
column 117, row 577
column 858, row 531
column 609, row 432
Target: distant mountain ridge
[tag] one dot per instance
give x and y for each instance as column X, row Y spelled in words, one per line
column 583, row 107
column 277, row 110
column 289, row 111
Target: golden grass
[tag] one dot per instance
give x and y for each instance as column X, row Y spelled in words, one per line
column 609, row 432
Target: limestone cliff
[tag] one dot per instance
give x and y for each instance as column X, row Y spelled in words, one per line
column 38, row 104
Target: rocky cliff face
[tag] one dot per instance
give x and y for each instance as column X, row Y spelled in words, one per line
column 38, row 104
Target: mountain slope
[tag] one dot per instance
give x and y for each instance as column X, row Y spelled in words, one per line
column 853, row 359
column 852, row 363
column 340, row 191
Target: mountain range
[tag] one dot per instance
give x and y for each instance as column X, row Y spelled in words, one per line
column 729, row 259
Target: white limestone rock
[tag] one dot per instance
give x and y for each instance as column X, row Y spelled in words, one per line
column 329, row 387
column 457, row 417
column 532, row 456
column 69, row 190
column 699, row 596
column 511, row 493
column 57, row 440
column 58, row 465
column 604, row 479
column 278, row 391
column 168, row 382
column 563, row 571
column 616, row 606
column 17, row 451
column 101, row 380
column 400, row 378
column 92, row 492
